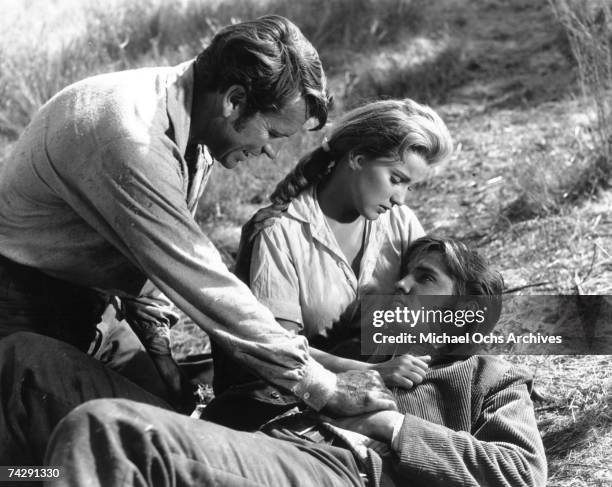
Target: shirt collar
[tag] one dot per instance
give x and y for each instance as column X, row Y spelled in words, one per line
column 179, row 95
column 305, row 208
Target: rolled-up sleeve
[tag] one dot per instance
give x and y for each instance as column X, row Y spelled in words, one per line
column 134, row 196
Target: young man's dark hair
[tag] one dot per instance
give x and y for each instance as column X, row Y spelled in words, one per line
column 469, row 271
column 272, row 60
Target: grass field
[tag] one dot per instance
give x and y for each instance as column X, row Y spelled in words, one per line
column 501, row 74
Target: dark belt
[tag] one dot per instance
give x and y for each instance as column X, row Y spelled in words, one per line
column 305, row 427
column 33, row 301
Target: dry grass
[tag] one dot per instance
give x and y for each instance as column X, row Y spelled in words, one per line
column 500, row 73
column 576, row 419
column 488, row 173
column 85, row 38
column 588, row 25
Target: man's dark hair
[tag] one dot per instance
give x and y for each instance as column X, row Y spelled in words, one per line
column 272, row 60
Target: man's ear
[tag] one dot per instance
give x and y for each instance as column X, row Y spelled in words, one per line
column 234, row 102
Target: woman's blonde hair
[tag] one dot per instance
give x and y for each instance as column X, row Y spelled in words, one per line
column 385, row 128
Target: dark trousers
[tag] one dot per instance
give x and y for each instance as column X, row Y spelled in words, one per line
column 113, row 442
column 33, row 301
column 85, row 318
column 137, row 440
column 41, row 381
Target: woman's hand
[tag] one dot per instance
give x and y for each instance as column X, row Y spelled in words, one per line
column 403, row 371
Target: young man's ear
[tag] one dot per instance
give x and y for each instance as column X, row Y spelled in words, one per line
column 355, row 161
column 234, row 102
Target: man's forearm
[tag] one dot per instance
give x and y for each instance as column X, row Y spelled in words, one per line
column 153, row 227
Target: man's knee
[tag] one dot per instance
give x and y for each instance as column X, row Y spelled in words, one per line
column 18, row 338
column 23, row 348
column 20, row 346
column 98, row 410
column 105, row 411
column 82, row 435
column 91, row 418
column 100, row 424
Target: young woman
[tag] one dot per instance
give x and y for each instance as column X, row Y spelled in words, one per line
column 344, row 231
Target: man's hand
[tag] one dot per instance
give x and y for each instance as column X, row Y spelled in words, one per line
column 403, row 371
column 180, row 391
column 378, row 425
column 359, row 392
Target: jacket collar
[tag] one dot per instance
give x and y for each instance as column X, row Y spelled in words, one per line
column 179, row 96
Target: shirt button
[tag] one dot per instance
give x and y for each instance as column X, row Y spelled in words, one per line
column 275, row 395
column 306, row 396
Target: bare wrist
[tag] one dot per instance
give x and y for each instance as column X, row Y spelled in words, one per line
column 389, row 424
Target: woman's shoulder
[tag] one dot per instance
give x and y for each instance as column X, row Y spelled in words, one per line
column 279, row 230
column 301, row 211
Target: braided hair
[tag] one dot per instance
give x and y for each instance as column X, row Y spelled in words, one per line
column 378, row 129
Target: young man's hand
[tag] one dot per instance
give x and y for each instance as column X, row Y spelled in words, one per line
column 404, row 370
column 359, row 392
column 378, row 425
